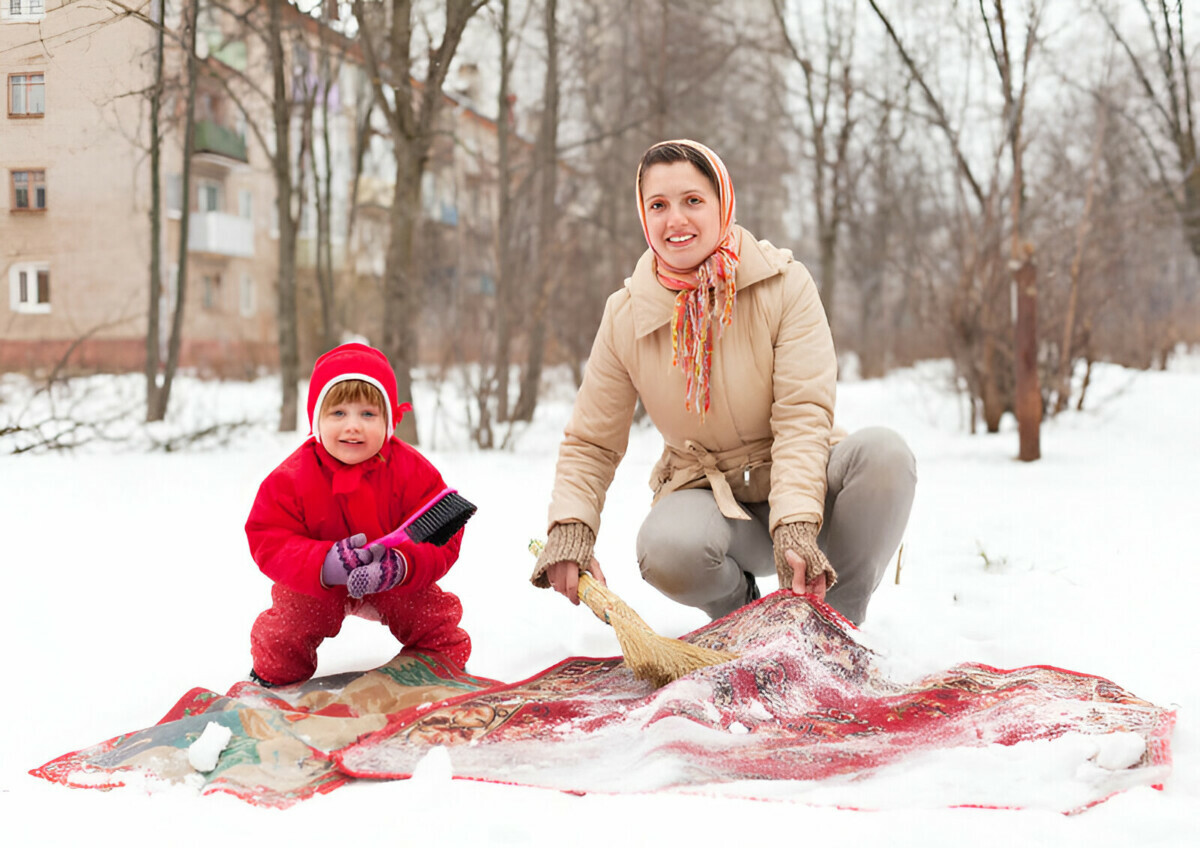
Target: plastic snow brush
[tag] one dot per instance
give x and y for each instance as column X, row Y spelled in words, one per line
column 435, row 522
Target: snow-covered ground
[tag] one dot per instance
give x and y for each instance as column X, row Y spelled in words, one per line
column 128, row 582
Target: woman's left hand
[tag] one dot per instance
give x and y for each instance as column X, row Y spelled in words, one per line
column 799, row 570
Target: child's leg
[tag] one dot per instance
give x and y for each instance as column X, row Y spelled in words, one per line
column 427, row 619
column 284, row 639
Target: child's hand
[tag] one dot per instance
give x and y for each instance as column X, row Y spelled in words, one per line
column 345, row 556
column 386, row 572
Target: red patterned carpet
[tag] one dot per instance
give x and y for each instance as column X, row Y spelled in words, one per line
column 804, row 702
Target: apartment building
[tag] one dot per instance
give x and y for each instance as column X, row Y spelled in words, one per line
column 75, row 229
column 75, row 234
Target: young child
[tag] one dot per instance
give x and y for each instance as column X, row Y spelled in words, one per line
column 352, row 481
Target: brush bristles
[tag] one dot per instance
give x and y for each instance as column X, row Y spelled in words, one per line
column 652, row 657
column 438, row 524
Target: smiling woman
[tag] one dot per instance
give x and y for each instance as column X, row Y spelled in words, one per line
column 754, row 479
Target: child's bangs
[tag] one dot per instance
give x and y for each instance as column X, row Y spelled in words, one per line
column 353, row 391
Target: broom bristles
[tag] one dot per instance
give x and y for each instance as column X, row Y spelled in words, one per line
column 652, row 657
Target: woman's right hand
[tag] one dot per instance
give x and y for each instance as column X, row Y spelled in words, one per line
column 564, row 578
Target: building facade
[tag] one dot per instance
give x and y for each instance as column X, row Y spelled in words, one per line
column 75, row 229
column 75, row 232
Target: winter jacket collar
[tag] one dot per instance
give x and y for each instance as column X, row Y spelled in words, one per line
column 346, row 479
column 653, row 304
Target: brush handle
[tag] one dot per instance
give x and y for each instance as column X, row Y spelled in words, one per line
column 394, row 539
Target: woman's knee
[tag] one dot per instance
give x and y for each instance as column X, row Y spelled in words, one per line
column 881, row 454
column 674, row 545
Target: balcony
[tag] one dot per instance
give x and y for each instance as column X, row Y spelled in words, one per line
column 221, row 234
column 214, row 138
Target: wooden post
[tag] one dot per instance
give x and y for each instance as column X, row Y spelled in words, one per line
column 1028, row 391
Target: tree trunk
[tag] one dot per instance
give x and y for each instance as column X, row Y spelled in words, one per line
column 289, row 342
column 163, row 395
column 1065, row 359
column 401, row 295
column 1028, row 391
column 505, row 223
column 156, row 245
column 547, row 167
column 324, row 197
column 828, row 259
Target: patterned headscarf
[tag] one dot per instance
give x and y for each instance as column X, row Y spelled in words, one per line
column 692, row 331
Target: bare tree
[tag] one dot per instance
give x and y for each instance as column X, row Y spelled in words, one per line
column 1028, row 391
column 153, row 310
column 411, row 112
column 1066, row 360
column 546, row 165
column 829, row 113
column 1165, row 80
column 158, row 395
column 983, row 339
column 323, row 178
column 281, row 166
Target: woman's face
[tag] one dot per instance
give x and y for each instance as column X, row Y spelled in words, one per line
column 683, row 214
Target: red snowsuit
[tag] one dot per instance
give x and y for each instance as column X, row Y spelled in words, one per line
column 311, row 501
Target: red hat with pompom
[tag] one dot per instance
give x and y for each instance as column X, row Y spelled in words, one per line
column 353, row 361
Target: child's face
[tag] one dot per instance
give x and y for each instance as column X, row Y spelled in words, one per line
column 353, row 431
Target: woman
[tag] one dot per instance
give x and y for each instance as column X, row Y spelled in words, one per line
column 725, row 340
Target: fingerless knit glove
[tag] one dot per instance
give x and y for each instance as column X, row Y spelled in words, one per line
column 801, row 537
column 574, row 542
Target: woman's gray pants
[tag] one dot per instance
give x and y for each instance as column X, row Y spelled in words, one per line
column 693, row 554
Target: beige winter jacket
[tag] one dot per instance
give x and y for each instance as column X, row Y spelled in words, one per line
column 768, row 431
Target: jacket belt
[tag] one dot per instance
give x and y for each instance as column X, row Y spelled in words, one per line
column 722, row 493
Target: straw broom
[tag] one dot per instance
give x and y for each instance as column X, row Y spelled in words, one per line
column 649, row 656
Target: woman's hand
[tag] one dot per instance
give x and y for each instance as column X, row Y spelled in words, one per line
column 799, row 569
column 564, row 578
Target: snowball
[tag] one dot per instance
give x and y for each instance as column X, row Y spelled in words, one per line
column 1119, row 750
column 204, row 752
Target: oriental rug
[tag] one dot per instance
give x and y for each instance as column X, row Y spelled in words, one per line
column 805, row 712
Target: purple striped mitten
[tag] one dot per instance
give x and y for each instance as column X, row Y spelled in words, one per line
column 343, row 557
column 386, row 572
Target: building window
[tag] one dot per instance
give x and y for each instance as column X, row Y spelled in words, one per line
column 247, row 300
column 26, row 95
column 29, row 287
column 23, row 10
column 210, row 290
column 28, row 191
column 210, row 196
column 245, row 204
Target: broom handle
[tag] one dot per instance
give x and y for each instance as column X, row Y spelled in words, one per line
column 594, row 594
